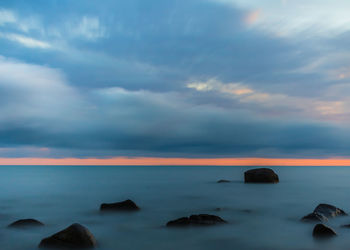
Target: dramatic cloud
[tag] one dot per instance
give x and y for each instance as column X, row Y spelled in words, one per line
column 174, row 78
column 48, row 113
column 331, row 105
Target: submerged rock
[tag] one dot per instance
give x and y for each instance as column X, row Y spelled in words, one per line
column 329, row 210
column 322, row 231
column 205, row 219
column 196, row 220
column 323, row 212
column 183, row 221
column 223, row 181
column 127, row 205
column 74, row 236
column 26, row 223
column 314, row 216
column 261, row 175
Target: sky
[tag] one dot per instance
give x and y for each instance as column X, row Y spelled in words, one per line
column 174, row 79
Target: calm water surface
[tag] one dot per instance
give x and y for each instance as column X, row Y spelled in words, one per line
column 260, row 216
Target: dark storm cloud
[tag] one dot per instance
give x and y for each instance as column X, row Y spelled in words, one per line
column 145, row 126
column 115, row 121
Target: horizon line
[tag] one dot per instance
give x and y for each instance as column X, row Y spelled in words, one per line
column 162, row 161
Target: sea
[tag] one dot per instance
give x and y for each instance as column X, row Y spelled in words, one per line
column 259, row 216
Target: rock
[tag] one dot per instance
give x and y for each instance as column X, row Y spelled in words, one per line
column 183, row 221
column 223, row 181
column 26, row 223
column 196, row 220
column 314, row 216
column 261, row 175
column 127, row 205
column 322, row 212
column 205, row 219
column 74, row 236
column 347, row 226
column 329, row 210
column 322, row 231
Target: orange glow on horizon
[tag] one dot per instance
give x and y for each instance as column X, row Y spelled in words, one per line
column 144, row 161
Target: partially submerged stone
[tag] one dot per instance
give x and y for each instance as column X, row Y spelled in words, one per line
column 322, row 231
column 127, row 205
column 74, row 236
column 261, row 175
column 223, row 181
column 329, row 210
column 323, row 212
column 183, row 221
column 24, row 223
column 196, row 220
column 314, row 217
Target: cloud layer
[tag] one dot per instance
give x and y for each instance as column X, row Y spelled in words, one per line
column 173, row 78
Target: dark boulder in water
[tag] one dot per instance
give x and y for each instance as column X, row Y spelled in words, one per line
column 205, row 219
column 323, row 212
column 314, row 217
column 183, row 221
column 127, row 205
column 322, row 231
column 261, row 175
column 223, row 181
column 329, row 210
column 26, row 223
column 74, row 236
column 196, row 220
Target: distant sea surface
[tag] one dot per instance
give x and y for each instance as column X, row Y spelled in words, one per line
column 260, row 216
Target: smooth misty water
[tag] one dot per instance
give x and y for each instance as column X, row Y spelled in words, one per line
column 261, row 216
